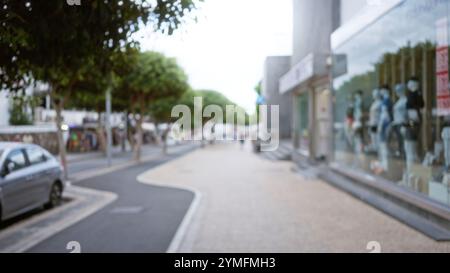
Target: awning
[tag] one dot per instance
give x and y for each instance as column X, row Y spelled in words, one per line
column 310, row 67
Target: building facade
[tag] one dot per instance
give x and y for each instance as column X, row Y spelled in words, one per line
column 308, row 81
column 274, row 68
column 369, row 82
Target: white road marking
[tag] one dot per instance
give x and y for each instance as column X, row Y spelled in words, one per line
column 127, row 210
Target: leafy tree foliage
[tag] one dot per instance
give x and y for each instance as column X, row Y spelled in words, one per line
column 153, row 78
column 53, row 42
column 18, row 112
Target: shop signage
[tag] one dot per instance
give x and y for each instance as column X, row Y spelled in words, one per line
column 442, row 68
column 301, row 72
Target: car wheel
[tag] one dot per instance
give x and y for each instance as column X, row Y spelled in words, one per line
column 55, row 197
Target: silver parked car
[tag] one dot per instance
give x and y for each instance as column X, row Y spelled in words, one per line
column 30, row 177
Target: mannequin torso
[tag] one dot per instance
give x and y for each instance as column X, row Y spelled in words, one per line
column 386, row 106
column 414, row 104
column 400, row 111
column 375, row 113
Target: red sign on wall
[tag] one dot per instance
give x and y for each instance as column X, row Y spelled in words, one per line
column 442, row 68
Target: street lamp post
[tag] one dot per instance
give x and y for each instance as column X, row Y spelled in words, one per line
column 108, row 125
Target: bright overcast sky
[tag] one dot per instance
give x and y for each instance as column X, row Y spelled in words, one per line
column 226, row 48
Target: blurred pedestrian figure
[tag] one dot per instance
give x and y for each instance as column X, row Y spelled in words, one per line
column 242, row 140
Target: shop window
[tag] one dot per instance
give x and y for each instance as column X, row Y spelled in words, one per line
column 392, row 104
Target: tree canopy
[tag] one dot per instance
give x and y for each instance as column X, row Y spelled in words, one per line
column 61, row 44
column 54, row 42
column 211, row 97
column 153, row 77
column 153, row 82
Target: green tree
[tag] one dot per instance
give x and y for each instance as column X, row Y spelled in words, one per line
column 18, row 111
column 89, row 96
column 160, row 112
column 154, row 77
column 55, row 43
column 258, row 90
column 89, row 92
column 211, row 97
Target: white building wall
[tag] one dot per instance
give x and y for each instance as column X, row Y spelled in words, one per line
column 349, row 8
column 4, row 109
column 73, row 118
column 313, row 23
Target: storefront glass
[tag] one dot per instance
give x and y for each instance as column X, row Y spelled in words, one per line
column 392, row 103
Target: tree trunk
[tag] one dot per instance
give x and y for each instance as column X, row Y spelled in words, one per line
column 131, row 139
column 140, row 131
column 59, row 104
column 125, row 133
column 165, row 135
column 139, row 140
column 101, row 134
column 131, row 135
column 165, row 147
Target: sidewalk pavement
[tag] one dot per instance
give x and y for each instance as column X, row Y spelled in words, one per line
column 249, row 204
column 76, row 157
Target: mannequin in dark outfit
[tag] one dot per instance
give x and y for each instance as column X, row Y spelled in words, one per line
column 414, row 105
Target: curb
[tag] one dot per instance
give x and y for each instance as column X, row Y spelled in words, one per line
column 29, row 233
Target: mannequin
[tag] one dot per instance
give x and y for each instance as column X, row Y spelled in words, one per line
column 358, row 122
column 415, row 100
column 414, row 105
column 348, row 129
column 374, row 119
column 384, row 125
column 400, row 115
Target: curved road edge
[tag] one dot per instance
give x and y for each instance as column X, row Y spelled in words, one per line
column 181, row 232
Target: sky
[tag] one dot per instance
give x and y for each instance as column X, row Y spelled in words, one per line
column 225, row 50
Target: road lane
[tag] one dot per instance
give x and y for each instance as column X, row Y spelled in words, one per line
column 143, row 219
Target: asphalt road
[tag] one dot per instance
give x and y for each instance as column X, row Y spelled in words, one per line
column 143, row 219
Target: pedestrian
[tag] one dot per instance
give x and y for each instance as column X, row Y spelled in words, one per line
column 242, row 140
